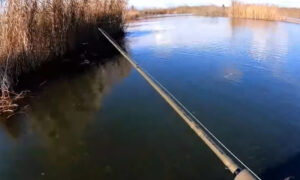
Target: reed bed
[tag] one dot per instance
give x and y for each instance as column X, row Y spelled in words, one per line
column 34, row 31
column 254, row 11
column 134, row 14
column 213, row 11
column 290, row 12
column 237, row 10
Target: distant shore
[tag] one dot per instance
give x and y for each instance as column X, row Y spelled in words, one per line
column 237, row 10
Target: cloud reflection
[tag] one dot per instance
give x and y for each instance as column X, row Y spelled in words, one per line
column 181, row 32
column 268, row 43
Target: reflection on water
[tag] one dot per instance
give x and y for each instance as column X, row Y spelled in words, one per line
column 79, row 128
column 72, row 103
column 239, row 77
column 264, row 45
column 168, row 33
column 71, row 106
column 269, row 42
column 262, row 40
column 60, row 113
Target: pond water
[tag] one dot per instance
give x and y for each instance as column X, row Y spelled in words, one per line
column 239, row 77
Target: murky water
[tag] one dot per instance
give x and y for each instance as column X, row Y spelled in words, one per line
column 239, row 77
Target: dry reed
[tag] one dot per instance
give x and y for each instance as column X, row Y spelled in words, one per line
column 33, row 31
column 290, row 12
column 237, row 10
column 254, row 11
column 214, row 11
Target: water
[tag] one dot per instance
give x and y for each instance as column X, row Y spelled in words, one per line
column 239, row 77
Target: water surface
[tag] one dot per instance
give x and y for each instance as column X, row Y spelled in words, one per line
column 239, row 77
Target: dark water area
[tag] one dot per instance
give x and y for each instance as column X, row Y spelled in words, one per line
column 99, row 119
column 91, row 50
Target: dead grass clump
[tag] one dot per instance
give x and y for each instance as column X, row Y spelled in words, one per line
column 253, row 11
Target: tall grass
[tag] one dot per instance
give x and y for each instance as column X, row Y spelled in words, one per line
column 254, row 11
column 213, row 11
column 237, row 10
column 290, row 12
column 33, row 31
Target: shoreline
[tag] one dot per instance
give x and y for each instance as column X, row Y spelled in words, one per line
column 237, row 10
column 287, row 20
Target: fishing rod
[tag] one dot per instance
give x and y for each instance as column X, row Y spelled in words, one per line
column 220, row 150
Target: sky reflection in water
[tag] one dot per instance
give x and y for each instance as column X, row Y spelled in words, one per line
column 240, row 77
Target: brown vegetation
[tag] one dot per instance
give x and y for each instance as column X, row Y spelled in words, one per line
column 33, row 31
column 197, row 10
column 214, row 11
column 290, row 12
column 253, row 11
column 237, row 10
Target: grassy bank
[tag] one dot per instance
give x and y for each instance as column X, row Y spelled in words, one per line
column 32, row 32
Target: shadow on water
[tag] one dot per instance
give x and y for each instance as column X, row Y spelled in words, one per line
column 75, row 81
column 68, row 103
column 93, row 50
column 288, row 170
column 64, row 96
column 58, row 115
